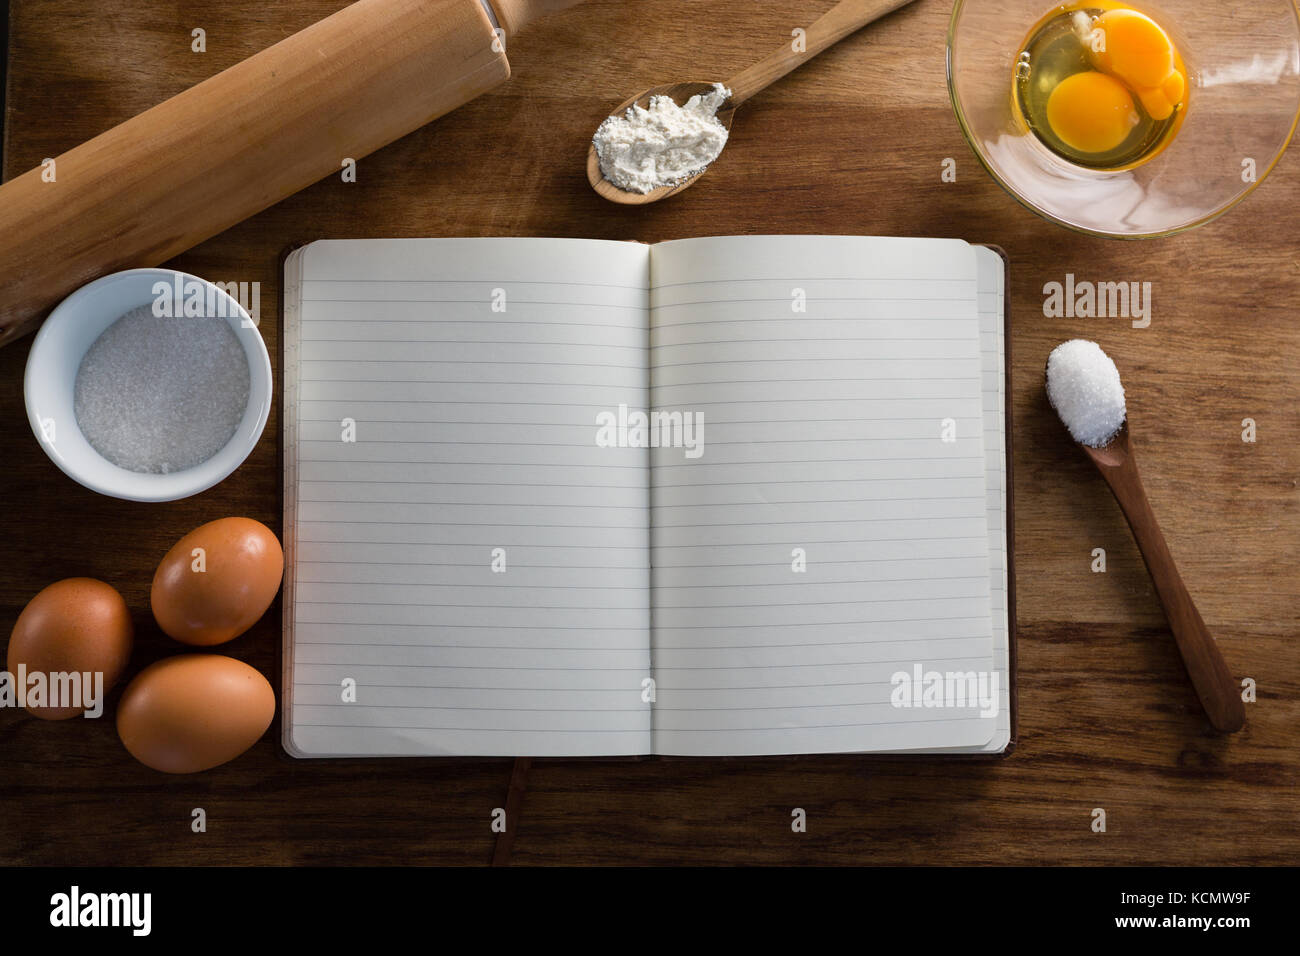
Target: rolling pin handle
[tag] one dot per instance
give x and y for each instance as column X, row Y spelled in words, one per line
column 514, row 15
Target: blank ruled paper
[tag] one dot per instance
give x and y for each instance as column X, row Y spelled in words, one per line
column 992, row 293
column 992, row 316
column 440, row 421
column 826, row 369
column 472, row 372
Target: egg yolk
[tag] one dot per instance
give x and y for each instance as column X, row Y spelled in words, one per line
column 1091, row 112
column 1136, row 50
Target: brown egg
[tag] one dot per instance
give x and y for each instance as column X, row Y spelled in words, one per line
column 193, row 712
column 216, row 582
column 77, row 625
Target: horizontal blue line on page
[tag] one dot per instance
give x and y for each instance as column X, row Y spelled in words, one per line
column 473, row 544
column 802, row 341
column 791, row 461
column 503, row 586
column 477, row 323
column 548, row 567
column 358, row 706
column 658, row 667
column 694, row 484
column 657, row 707
column 805, row 625
column 622, row 587
column 609, row 730
column 452, row 464
column 512, row 343
column 382, row 361
column 811, row 299
column 928, row 599
column 664, row 365
column 598, row 406
column 488, row 282
column 454, row 627
column 870, row 723
column 302, row 602
column 606, row 690
column 486, row 484
column 481, row 504
column 784, row 563
column 626, row 627
column 840, row 521
column 794, row 381
column 591, row 444
column 465, row 730
column 809, row 583
column 485, row 303
column 609, row 547
column 800, row 318
column 906, row 639
column 706, row 504
column 603, row 527
column 467, row 667
column 585, row 424
column 855, row 278
column 422, row 381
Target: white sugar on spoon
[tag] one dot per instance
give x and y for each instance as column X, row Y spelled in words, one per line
column 1084, row 387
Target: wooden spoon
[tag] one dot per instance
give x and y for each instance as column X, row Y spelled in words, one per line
column 1206, row 667
column 837, row 23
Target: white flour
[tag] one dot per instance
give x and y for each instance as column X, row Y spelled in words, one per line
column 663, row 145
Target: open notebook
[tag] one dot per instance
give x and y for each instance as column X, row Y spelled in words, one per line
column 483, row 560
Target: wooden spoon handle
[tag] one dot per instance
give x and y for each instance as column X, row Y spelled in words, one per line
column 1206, row 667
column 837, row 23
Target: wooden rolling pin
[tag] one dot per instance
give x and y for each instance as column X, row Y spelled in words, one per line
column 243, row 140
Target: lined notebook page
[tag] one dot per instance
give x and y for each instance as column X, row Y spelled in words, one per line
column 992, row 291
column 473, row 370
column 824, row 368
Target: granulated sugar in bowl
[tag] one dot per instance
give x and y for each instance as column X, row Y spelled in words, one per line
column 148, row 385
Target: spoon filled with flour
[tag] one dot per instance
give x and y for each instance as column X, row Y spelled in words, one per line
column 662, row 144
column 662, row 140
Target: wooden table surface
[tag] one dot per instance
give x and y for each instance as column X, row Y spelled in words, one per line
column 854, row 143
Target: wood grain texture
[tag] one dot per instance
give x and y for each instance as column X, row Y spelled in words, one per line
column 852, row 144
column 221, row 151
column 1218, row 688
column 840, row 21
column 515, row 15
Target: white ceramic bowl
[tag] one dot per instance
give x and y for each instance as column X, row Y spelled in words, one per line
column 51, row 378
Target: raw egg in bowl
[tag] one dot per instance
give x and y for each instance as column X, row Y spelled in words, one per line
column 1126, row 120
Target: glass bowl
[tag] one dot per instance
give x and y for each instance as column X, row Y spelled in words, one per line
column 1243, row 61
